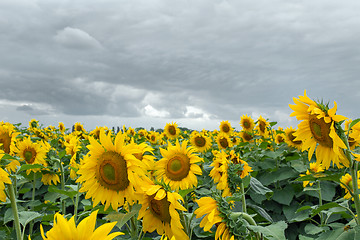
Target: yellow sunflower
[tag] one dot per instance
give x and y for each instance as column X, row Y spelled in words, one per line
column 50, row 178
column 246, row 136
column 145, row 154
column 78, row 127
column 223, row 141
column 353, row 135
column 153, row 137
column 110, row 172
column 247, row 123
column 4, row 178
column 347, row 181
column 314, row 168
column 8, row 134
column 199, row 141
column 209, row 207
column 225, row 127
column 318, row 130
column 85, row 230
column 171, row 130
column 262, row 127
column 235, row 159
column 178, row 166
column 62, row 127
column 290, row 138
column 31, row 152
column 279, row 135
column 159, row 212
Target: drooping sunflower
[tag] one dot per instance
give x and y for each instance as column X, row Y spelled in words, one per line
column 85, row 230
column 246, row 136
column 318, row 131
column 171, row 130
column 50, row 178
column 159, row 212
column 31, row 152
column 314, row 169
column 290, row 138
column 214, row 216
column 8, row 134
column 199, row 141
column 225, row 127
column 346, row 181
column 110, row 172
column 262, row 127
column 4, row 178
column 247, row 123
column 178, row 166
column 223, row 141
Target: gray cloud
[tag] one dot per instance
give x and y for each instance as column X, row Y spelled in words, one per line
column 158, row 59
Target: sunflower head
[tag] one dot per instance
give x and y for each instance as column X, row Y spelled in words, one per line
column 225, row 127
column 223, row 141
column 171, row 130
column 290, row 138
column 262, row 127
column 199, row 141
column 247, row 123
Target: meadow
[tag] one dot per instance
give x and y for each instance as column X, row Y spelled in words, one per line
column 255, row 180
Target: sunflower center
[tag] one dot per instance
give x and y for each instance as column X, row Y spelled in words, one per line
column 280, row 139
column 226, row 128
column 160, row 208
column 292, row 138
column 320, row 131
column 246, row 124
column 247, row 136
column 29, row 155
column 172, row 130
column 200, row 141
column 78, row 128
column 223, row 142
column 112, row 171
column 262, row 126
column 178, row 167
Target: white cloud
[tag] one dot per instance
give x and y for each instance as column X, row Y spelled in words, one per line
column 76, row 38
column 152, row 112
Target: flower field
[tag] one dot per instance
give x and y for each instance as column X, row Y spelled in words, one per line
column 255, row 180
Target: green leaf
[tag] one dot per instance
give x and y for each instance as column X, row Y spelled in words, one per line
column 313, row 229
column 27, row 216
column 69, row 193
column 325, row 207
column 259, row 188
column 275, row 231
column 354, row 122
column 283, row 173
column 284, row 196
column 30, row 166
column 122, row 218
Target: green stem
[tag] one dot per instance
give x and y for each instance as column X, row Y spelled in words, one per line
column 76, row 205
column 353, row 171
column 15, row 211
column 32, row 200
column 183, row 219
column 320, row 204
column 62, row 187
column 243, row 200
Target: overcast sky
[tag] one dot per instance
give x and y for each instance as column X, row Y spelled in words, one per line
column 145, row 63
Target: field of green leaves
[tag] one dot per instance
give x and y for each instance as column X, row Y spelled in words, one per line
column 255, row 180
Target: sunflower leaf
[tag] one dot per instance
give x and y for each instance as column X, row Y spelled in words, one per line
column 122, row 218
column 30, row 166
column 353, row 123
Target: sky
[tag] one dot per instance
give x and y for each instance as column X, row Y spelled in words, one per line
column 146, row 63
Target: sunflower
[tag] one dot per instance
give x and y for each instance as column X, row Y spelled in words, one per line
column 4, row 178
column 49, row 177
column 96, row 132
column 213, row 216
column 78, row 127
column 235, row 159
column 73, row 145
column 178, row 166
column 246, row 136
column 171, row 130
column 67, row 229
column 62, row 127
column 318, row 130
column 314, row 169
column 223, row 141
column 353, row 135
column 247, row 123
column 31, row 152
column 7, row 144
column 347, row 184
column 153, row 137
column 33, row 124
column 262, row 127
column 159, row 212
column 110, row 172
column 290, row 138
column 199, row 141
column 279, row 135
column 144, row 154
column 225, row 127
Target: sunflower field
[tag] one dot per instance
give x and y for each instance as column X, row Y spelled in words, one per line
column 251, row 181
